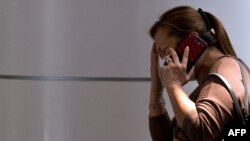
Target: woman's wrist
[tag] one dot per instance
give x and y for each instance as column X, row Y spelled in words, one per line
column 156, row 108
column 156, row 102
column 172, row 87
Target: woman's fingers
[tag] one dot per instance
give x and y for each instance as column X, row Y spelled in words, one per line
column 185, row 56
column 154, row 57
column 168, row 60
column 174, row 55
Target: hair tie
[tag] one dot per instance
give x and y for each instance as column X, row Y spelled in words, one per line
column 204, row 16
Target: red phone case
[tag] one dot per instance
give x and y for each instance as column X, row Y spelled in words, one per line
column 196, row 47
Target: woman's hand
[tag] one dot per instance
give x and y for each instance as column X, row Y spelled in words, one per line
column 156, row 102
column 156, row 84
column 174, row 73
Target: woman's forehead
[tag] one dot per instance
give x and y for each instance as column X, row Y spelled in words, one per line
column 160, row 35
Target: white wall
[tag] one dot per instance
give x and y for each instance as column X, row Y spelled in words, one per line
column 87, row 38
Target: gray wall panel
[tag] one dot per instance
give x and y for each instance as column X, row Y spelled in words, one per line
column 95, row 37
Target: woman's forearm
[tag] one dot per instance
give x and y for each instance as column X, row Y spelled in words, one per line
column 181, row 103
column 159, row 120
column 156, row 103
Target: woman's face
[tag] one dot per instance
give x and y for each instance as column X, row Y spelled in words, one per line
column 163, row 41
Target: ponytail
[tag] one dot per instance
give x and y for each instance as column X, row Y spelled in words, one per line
column 223, row 42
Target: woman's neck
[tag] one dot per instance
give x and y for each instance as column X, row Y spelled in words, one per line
column 206, row 62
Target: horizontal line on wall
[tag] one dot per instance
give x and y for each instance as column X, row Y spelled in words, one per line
column 26, row 77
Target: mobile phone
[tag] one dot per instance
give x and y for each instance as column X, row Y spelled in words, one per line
column 196, row 48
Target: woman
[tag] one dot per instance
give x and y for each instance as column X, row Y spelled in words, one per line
column 205, row 115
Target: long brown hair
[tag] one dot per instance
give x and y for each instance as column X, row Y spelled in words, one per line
column 184, row 19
